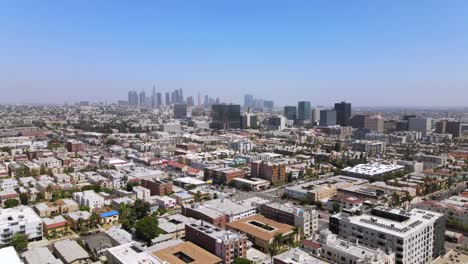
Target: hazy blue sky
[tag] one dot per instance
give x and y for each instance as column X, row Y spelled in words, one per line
column 367, row 52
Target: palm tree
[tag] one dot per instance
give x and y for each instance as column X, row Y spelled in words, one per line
column 272, row 250
column 278, row 240
column 296, row 231
column 79, row 223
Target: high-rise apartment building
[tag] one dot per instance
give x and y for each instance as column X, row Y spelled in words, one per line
column 416, row 236
column 343, row 113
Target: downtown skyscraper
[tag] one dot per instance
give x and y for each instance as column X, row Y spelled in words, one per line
column 132, row 98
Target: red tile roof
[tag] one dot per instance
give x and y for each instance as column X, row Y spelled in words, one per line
column 311, row 244
column 192, row 170
column 56, row 225
column 176, row 165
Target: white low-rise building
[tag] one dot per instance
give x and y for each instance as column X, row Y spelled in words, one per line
column 89, row 198
column 22, row 220
column 130, row 253
column 141, row 192
column 8, row 184
column 371, row 170
column 165, row 202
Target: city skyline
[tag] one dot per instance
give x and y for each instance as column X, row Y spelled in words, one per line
column 323, row 52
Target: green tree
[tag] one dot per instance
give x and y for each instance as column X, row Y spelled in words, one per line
column 147, row 228
column 197, row 196
column 142, row 208
column 319, row 204
column 127, row 217
column 278, row 240
column 408, row 197
column 296, row 231
column 272, row 250
column 336, row 207
column 395, row 198
column 24, row 198
column 9, row 203
column 19, row 242
column 94, row 219
column 84, row 208
column 110, row 141
column 240, row 260
column 338, row 146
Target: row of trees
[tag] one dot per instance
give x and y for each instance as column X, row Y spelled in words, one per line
column 453, row 223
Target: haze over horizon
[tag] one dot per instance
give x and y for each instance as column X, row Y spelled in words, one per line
column 394, row 53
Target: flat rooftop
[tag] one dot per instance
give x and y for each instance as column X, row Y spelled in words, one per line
column 374, row 168
column 399, row 223
column 227, row 207
column 224, row 236
column 132, row 253
column 299, row 256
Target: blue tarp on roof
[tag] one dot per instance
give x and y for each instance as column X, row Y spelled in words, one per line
column 108, row 214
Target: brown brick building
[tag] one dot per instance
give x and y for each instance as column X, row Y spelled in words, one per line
column 222, row 175
column 157, row 187
column 225, row 244
column 206, row 214
column 75, row 146
column 275, row 172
